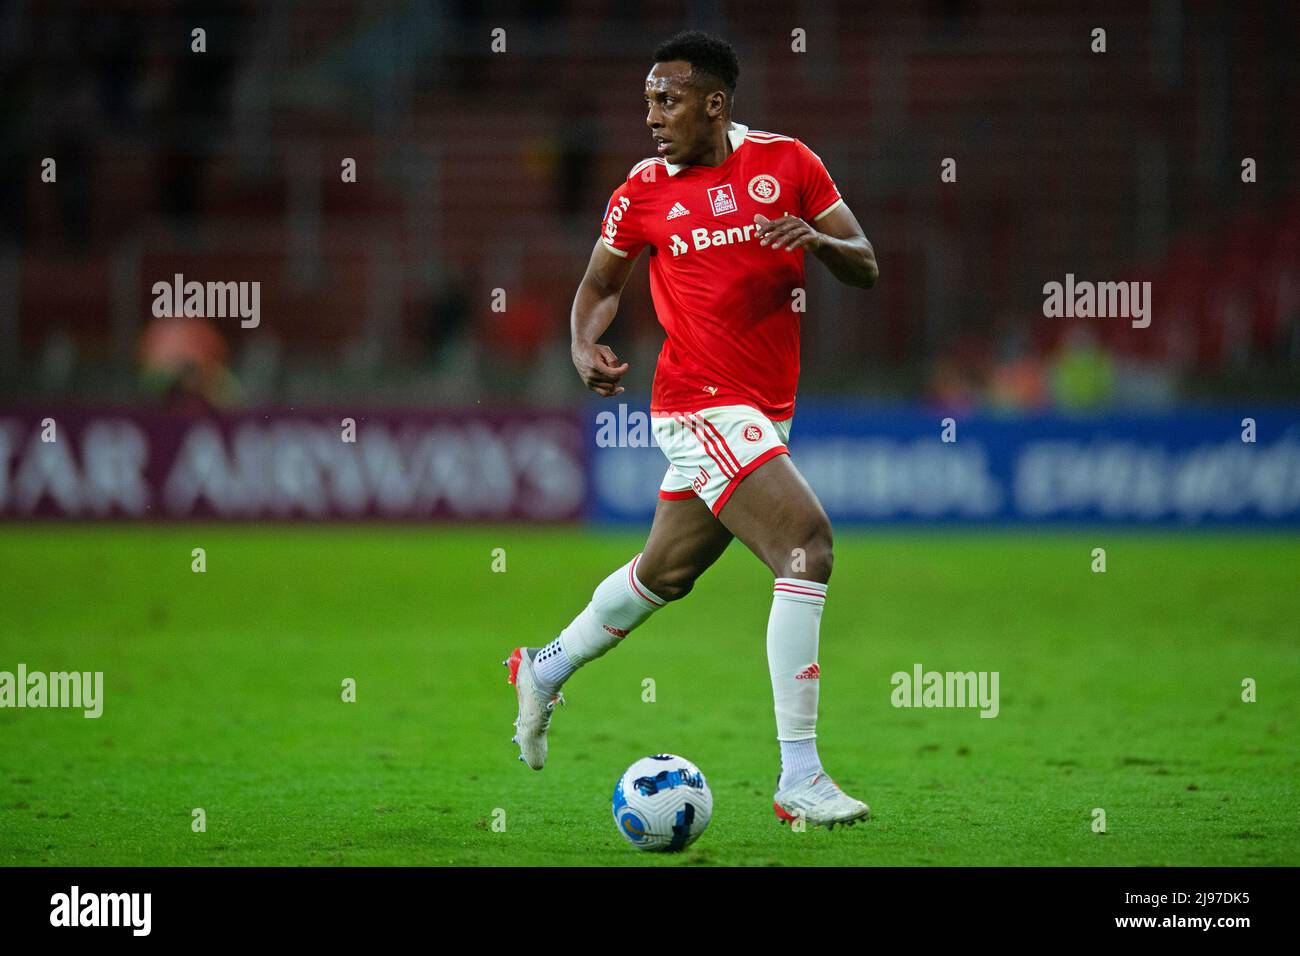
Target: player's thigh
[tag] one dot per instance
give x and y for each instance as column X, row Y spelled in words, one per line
column 685, row 539
column 775, row 513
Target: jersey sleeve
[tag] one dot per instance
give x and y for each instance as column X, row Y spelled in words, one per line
column 817, row 192
column 620, row 228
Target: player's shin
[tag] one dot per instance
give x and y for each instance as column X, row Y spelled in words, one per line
column 620, row 603
column 792, row 634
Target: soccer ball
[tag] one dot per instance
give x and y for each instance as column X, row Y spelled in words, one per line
column 662, row 803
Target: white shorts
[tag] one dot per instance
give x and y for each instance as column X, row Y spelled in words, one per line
column 710, row 452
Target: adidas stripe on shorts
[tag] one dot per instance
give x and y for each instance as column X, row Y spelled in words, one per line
column 711, row 451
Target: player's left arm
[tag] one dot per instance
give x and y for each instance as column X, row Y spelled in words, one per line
column 837, row 240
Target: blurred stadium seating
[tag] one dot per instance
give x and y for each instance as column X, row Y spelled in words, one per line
column 480, row 171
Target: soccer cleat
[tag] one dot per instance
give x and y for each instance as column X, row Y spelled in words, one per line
column 820, row 801
column 535, row 708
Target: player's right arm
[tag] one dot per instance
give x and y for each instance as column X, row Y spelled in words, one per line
column 620, row 243
column 593, row 310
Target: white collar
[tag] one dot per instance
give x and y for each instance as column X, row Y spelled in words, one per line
column 736, row 132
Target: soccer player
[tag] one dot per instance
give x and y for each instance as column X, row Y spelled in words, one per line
column 728, row 214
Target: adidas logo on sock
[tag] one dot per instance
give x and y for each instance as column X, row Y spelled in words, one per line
column 811, row 672
column 678, row 210
column 616, row 631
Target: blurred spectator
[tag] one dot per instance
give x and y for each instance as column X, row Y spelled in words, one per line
column 579, row 146
column 1083, row 376
column 200, row 102
column 184, row 364
column 512, row 339
column 1019, row 381
column 958, row 377
column 448, row 314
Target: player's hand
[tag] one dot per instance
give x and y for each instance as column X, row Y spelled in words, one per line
column 788, row 232
column 599, row 369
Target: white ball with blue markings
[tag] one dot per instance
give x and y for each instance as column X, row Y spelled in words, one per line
column 662, row 803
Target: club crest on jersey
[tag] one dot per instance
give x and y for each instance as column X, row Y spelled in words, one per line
column 752, row 433
column 722, row 200
column 764, row 188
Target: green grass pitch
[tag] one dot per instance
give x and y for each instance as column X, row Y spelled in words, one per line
column 1120, row 691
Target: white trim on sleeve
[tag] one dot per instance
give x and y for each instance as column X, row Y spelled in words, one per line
column 838, row 202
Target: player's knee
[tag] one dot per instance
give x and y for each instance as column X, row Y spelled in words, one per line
column 812, row 558
column 669, row 584
column 821, row 555
column 675, row 592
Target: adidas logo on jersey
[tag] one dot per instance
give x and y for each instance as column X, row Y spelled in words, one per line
column 702, row 238
column 678, row 210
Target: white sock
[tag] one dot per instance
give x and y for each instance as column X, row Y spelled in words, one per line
column 792, row 632
column 798, row 760
column 620, row 603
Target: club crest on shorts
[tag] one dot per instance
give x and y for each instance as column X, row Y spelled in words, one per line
column 764, row 188
column 752, row 433
column 722, row 200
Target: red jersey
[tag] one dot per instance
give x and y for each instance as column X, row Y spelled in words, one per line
column 726, row 303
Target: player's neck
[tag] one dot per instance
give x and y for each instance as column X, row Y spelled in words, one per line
column 720, row 148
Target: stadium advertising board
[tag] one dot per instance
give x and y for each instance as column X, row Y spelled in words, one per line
column 881, row 466
column 465, row 464
column 893, row 465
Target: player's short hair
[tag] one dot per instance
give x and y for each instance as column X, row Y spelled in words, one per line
column 705, row 53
